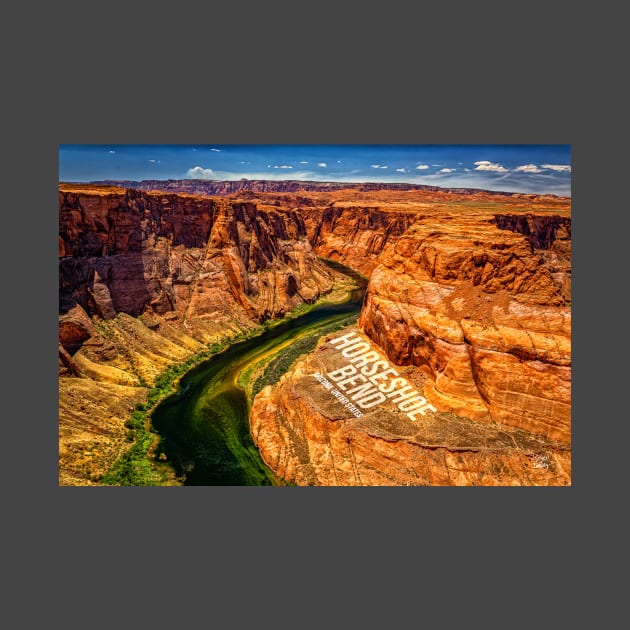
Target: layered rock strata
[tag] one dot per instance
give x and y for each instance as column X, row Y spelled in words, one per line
column 126, row 251
column 228, row 187
column 469, row 299
column 485, row 313
column 355, row 235
column 149, row 279
column 474, row 308
column 307, row 435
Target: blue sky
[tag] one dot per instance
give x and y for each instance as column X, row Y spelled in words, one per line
column 514, row 168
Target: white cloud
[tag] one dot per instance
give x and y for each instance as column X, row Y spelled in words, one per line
column 422, row 167
column 283, row 166
column 447, row 170
column 111, row 152
column 303, row 162
column 401, row 170
column 338, row 161
column 528, row 168
column 197, row 172
column 561, row 168
column 484, row 165
column 322, row 164
column 217, row 150
column 467, row 170
column 154, row 161
column 379, row 166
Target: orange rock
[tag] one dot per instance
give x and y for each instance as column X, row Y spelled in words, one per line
column 123, row 250
column 307, row 437
column 482, row 312
column 469, row 295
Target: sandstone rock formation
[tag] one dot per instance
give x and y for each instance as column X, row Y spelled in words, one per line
column 485, row 314
column 227, row 187
column 469, row 297
column 149, row 279
column 473, row 302
column 126, row 251
column 306, row 436
column 355, row 235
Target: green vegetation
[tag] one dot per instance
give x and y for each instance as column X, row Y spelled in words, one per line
column 303, row 307
column 282, row 360
column 352, row 274
column 135, row 466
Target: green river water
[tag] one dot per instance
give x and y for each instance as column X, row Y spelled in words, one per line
column 204, row 427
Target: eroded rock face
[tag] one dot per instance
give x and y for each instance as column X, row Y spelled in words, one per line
column 485, row 316
column 147, row 280
column 129, row 251
column 228, row 187
column 75, row 327
column 309, row 438
column 473, row 305
column 355, row 235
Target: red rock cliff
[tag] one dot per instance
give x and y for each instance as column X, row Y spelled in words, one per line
column 485, row 314
column 126, row 251
column 469, row 297
column 355, row 235
column 472, row 304
column 147, row 280
column 227, row 187
column 309, row 438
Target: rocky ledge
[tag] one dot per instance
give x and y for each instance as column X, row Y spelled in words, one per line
column 312, row 430
column 471, row 303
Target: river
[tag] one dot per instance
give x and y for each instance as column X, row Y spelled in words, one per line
column 204, row 427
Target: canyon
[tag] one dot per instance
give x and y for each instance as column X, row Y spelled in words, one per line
column 147, row 280
column 469, row 296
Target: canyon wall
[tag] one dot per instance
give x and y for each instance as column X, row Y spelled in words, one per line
column 355, row 235
column 485, row 313
column 469, row 298
column 126, row 251
column 309, row 438
column 474, row 307
column 147, row 280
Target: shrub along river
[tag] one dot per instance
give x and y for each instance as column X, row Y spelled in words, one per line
column 204, row 427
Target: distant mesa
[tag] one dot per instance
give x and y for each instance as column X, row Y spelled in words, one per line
column 227, row 187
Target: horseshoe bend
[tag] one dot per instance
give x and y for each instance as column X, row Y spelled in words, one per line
column 454, row 370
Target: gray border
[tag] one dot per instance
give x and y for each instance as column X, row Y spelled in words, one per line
column 392, row 79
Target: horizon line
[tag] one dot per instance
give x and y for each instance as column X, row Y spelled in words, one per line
column 320, row 182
